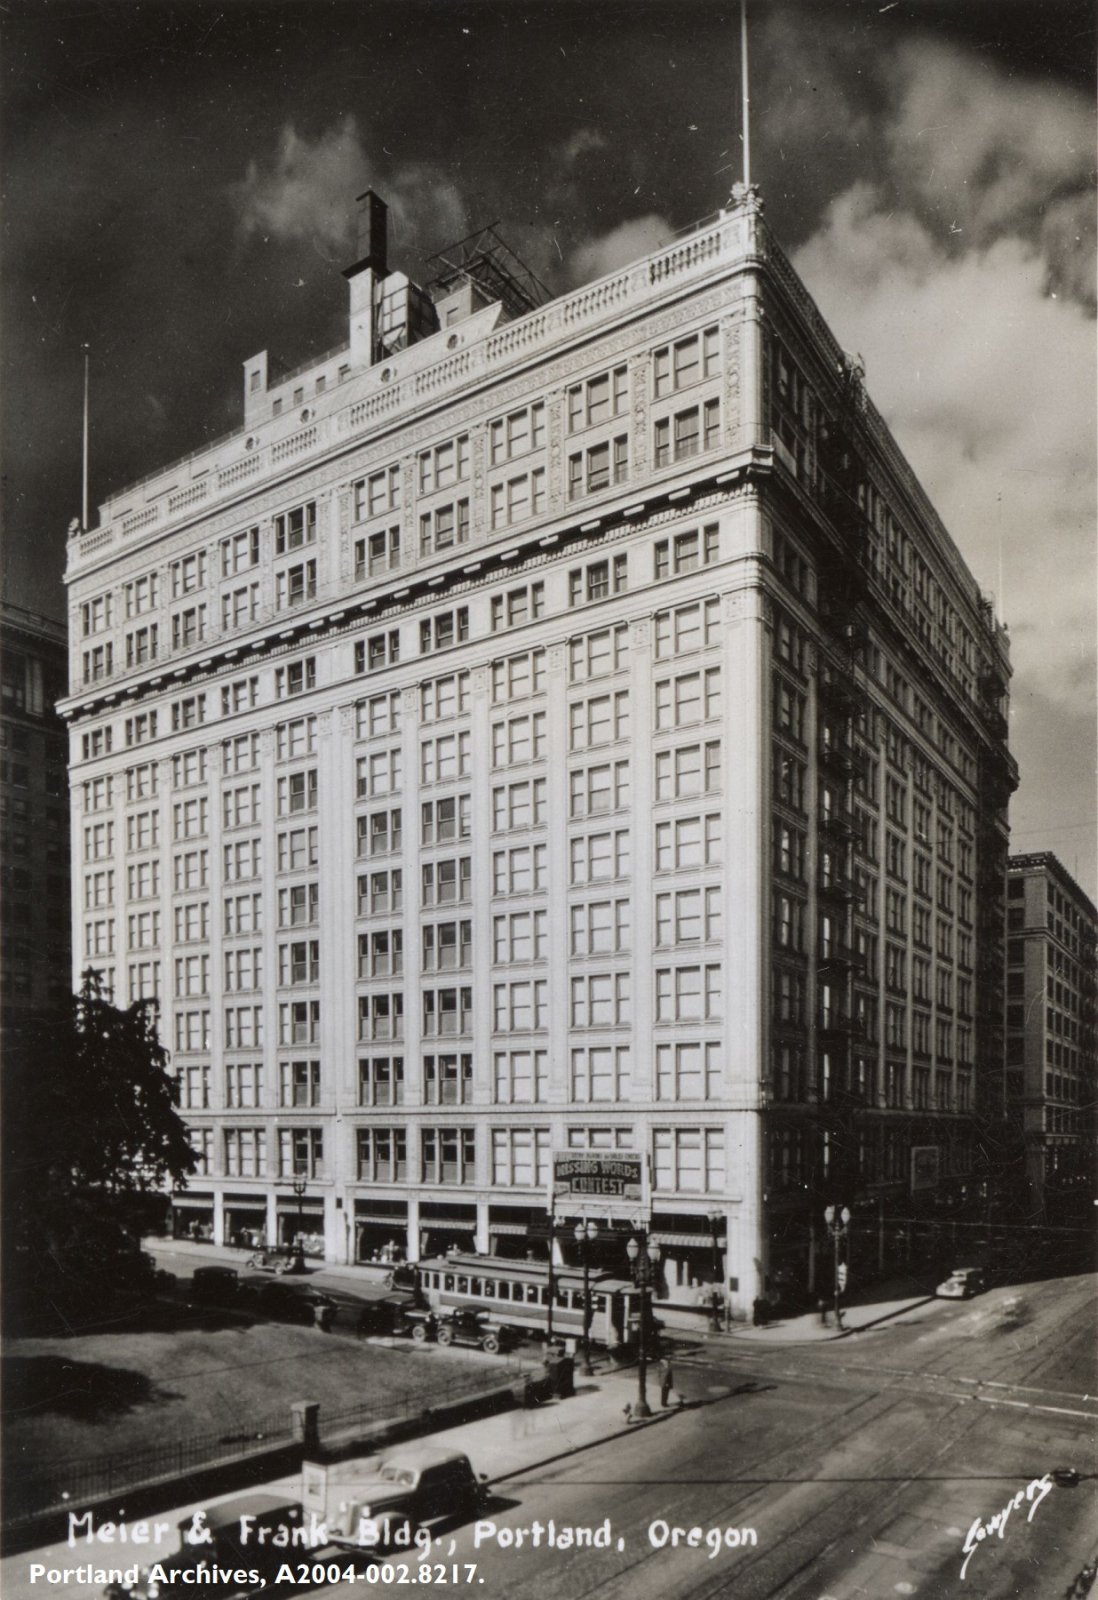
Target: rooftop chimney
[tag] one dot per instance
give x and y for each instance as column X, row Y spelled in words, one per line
column 371, row 237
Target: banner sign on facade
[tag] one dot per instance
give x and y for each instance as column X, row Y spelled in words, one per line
column 924, row 1166
column 589, row 1176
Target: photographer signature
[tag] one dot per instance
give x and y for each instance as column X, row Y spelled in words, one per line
column 1034, row 1491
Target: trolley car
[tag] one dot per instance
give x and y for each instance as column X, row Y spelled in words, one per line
column 517, row 1294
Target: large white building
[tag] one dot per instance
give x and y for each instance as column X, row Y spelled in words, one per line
column 553, row 726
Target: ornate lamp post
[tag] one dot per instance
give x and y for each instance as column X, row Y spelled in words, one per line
column 299, row 1191
column 643, row 1259
column 837, row 1225
column 586, row 1233
column 715, row 1220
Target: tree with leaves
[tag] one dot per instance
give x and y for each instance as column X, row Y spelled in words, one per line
column 91, row 1138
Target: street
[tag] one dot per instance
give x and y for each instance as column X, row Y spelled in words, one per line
column 862, row 1467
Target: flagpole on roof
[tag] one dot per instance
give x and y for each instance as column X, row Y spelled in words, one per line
column 84, row 478
column 745, row 97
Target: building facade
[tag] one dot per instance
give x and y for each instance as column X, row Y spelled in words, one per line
column 1052, row 1048
column 36, row 959
column 553, row 726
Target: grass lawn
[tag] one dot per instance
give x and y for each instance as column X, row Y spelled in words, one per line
column 102, row 1394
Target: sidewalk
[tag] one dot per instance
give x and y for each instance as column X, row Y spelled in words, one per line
column 500, row 1446
column 890, row 1303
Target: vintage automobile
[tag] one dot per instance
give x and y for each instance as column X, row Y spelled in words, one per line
column 962, row 1283
column 405, row 1275
column 292, row 1302
column 417, row 1484
column 415, row 1322
column 214, row 1286
column 379, row 1317
column 279, row 1261
column 468, row 1326
column 241, row 1535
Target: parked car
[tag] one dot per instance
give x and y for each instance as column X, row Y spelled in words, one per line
column 416, row 1485
column 291, row 1302
column 382, row 1316
column 467, row 1326
column 270, row 1261
column 267, row 1517
column 962, row 1283
column 415, row 1322
column 215, row 1286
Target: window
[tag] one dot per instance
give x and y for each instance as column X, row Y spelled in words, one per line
column 297, row 791
column 686, row 628
column 381, row 954
column 691, row 697
column 444, row 464
column 188, row 574
column 446, row 819
column 689, row 1160
column 517, row 606
column 191, row 869
column 377, row 494
column 520, row 1077
column 444, row 758
column 245, row 1152
column 141, row 595
column 239, row 552
column 142, row 830
column 299, row 962
column 447, row 946
column 683, row 435
column 301, row 1152
column 190, row 712
column 99, row 841
column 299, row 1022
column 380, row 892
column 381, row 1080
column 240, row 606
column 520, row 1157
column 689, row 1071
column 378, row 715
column 520, row 1007
column 378, row 832
column 141, row 645
column 240, row 806
column 447, row 882
column 190, row 818
column 518, row 739
column 298, row 905
column 599, row 789
column 297, row 738
column 520, row 937
column 243, row 1085
column 378, row 552
column 296, row 678
column 516, row 433
column 98, row 741
column 379, row 773
column 98, row 663
column 188, row 627
column 192, row 975
column 519, row 871
column 518, row 498
column 383, row 1155
column 601, row 1073
column 95, row 615
column 442, row 698
column 142, row 881
column 599, row 857
column 592, row 470
column 448, row 1155
column 379, row 650
column 594, row 655
column 598, row 399
column 688, row 915
column 243, row 970
column 598, row 580
column 443, row 630
column 139, row 729
column 685, row 362
column 599, row 927
column 297, row 848
column 299, row 1083
column 602, row 719
column 599, row 1000
column 294, row 529
column 687, row 551
column 688, row 994
column 99, row 794
column 240, row 695
column 192, row 1030
column 688, row 770
column 242, row 860
column 240, row 754
column 447, row 1012
column 294, row 585
column 444, row 527
column 518, row 805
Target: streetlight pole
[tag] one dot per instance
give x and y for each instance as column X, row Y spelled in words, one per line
column 643, row 1259
column 837, row 1226
column 715, row 1220
column 299, row 1191
column 586, row 1233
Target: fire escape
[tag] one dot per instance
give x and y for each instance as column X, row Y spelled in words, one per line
column 844, row 988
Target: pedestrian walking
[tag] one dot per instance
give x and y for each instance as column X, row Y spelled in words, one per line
column 667, row 1380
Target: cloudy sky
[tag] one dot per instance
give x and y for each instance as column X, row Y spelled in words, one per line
column 178, row 182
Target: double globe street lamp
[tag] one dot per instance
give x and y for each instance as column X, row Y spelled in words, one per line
column 838, row 1222
column 643, row 1260
column 586, row 1233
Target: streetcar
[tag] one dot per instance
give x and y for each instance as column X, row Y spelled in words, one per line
column 517, row 1295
